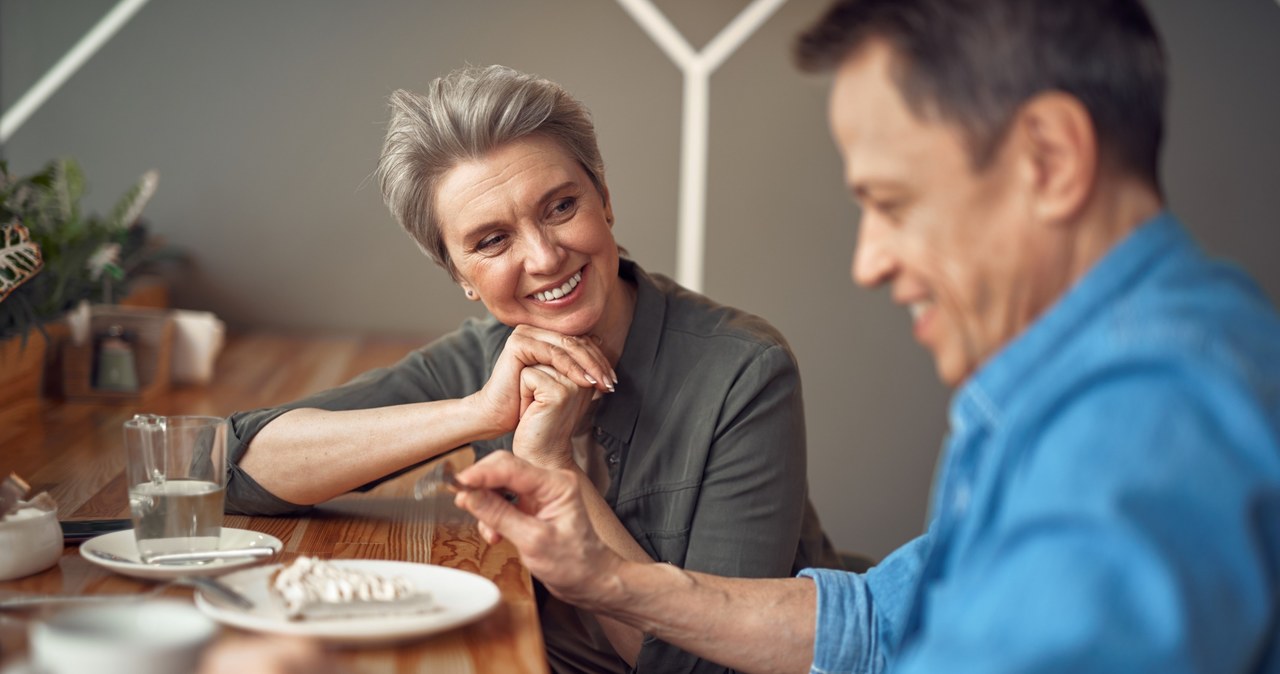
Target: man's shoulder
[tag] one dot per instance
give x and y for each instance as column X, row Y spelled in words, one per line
column 1193, row 315
column 1190, row 355
column 1192, row 345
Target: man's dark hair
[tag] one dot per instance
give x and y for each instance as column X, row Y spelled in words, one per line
column 974, row 62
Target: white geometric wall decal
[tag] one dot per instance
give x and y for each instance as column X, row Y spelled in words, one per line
column 697, row 68
column 67, row 66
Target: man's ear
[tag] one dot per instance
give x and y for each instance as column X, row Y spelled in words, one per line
column 1061, row 151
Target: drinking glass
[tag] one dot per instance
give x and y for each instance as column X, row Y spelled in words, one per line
column 176, row 471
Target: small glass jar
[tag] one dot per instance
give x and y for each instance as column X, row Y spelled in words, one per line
column 116, row 365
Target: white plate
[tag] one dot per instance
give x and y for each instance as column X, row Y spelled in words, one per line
column 462, row 596
column 123, row 544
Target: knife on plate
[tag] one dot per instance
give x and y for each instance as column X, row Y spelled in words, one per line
column 209, row 555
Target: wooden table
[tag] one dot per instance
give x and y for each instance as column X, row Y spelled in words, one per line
column 75, row 452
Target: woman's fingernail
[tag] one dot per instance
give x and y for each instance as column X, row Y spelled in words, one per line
column 590, row 379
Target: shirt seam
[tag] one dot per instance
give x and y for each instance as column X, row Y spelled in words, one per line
column 658, row 489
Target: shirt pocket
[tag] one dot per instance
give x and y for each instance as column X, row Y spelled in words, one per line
column 660, row 521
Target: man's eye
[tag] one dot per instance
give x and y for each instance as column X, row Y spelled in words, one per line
column 889, row 209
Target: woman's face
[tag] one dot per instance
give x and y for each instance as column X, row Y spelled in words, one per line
column 529, row 235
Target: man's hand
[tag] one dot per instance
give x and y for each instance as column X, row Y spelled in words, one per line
column 548, row 524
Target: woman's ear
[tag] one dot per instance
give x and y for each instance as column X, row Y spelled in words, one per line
column 1061, row 149
column 608, row 205
column 469, row 291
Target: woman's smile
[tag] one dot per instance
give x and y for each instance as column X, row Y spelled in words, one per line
column 561, row 294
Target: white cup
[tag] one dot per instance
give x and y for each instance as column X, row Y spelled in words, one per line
column 131, row 637
column 197, row 340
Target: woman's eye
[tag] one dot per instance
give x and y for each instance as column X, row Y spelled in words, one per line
column 491, row 242
column 563, row 206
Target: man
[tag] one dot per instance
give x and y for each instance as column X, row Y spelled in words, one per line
column 1109, row 494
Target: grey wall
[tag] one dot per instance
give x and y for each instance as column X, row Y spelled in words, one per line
column 265, row 118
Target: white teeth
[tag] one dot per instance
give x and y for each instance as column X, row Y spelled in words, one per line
column 557, row 293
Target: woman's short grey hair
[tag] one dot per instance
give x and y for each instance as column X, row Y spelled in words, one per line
column 463, row 116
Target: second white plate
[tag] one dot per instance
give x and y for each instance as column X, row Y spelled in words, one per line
column 462, row 597
column 122, row 544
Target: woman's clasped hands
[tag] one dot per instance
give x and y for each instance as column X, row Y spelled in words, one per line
column 552, row 406
column 541, row 385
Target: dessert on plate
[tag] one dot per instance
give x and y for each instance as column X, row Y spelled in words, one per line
column 311, row 588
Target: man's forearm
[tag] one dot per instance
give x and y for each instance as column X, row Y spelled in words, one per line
column 751, row 625
column 624, row 638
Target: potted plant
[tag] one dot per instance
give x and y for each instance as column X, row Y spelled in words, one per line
column 53, row 256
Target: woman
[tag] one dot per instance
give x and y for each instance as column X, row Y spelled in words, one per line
column 683, row 414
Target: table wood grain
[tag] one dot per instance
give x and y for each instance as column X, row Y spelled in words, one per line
column 74, row 451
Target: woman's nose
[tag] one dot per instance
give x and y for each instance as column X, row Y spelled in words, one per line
column 543, row 254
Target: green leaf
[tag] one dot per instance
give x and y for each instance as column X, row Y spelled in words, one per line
column 47, row 203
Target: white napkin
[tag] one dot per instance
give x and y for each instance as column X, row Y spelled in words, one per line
column 197, row 340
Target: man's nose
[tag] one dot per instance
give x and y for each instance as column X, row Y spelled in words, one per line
column 873, row 260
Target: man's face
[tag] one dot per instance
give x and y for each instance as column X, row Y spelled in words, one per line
column 957, row 247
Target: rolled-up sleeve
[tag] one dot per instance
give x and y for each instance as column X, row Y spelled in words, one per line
column 244, row 495
column 860, row 616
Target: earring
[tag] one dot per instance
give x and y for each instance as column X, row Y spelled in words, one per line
column 471, row 294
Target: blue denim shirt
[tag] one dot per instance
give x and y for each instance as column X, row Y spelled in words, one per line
column 1108, row 498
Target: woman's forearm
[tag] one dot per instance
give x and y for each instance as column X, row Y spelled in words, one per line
column 308, row 456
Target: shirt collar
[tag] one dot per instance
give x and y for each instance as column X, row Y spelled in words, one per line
column 619, row 410
column 982, row 399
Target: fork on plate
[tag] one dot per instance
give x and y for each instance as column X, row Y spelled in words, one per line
column 206, row 584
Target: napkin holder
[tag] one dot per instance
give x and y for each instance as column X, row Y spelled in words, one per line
column 150, row 334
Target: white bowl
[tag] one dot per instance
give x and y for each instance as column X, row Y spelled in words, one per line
column 30, row 542
column 161, row 636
